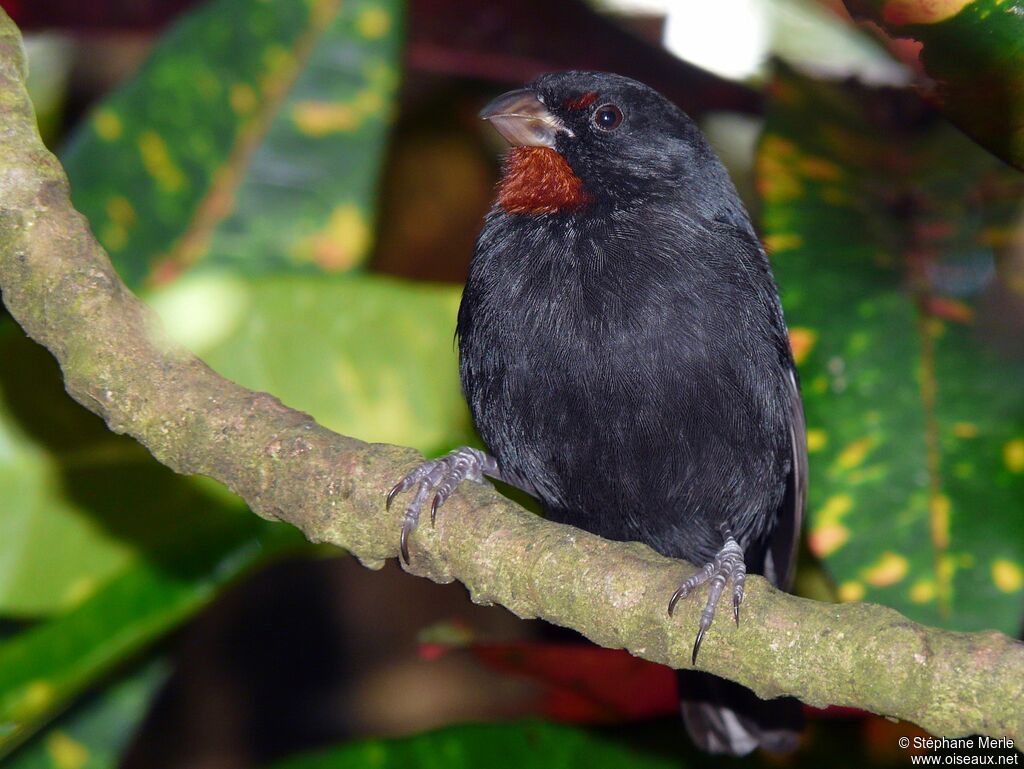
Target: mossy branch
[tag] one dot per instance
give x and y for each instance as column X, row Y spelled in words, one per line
column 60, row 286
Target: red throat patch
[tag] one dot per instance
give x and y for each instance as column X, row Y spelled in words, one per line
column 537, row 180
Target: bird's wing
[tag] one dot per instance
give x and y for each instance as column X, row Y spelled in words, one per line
column 780, row 560
column 781, row 557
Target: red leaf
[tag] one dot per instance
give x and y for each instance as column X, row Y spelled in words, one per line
column 587, row 684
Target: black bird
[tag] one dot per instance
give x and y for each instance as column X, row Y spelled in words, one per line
column 625, row 359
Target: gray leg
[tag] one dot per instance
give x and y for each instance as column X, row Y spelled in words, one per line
column 727, row 564
column 441, row 476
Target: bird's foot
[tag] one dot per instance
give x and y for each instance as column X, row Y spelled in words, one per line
column 440, row 476
column 727, row 564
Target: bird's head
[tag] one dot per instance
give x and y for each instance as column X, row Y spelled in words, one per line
column 581, row 138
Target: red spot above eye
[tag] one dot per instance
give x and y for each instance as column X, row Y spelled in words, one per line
column 581, row 102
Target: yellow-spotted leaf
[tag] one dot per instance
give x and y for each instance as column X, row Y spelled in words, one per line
column 970, row 56
column 44, row 668
column 245, row 152
column 897, row 244
column 251, row 140
column 95, row 734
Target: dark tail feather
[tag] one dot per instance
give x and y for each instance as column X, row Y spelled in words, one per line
column 724, row 717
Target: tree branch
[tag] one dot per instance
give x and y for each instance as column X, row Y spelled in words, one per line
column 59, row 285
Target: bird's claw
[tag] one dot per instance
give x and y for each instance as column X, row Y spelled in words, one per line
column 395, row 490
column 440, row 476
column 403, row 540
column 728, row 564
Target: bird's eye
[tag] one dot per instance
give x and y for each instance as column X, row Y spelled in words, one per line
column 607, row 117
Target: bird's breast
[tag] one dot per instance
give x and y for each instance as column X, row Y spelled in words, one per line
column 622, row 379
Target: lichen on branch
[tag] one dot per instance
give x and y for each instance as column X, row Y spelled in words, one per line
column 59, row 285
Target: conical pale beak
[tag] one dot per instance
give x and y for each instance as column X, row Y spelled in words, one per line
column 523, row 119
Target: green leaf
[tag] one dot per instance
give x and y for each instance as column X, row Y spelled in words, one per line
column 366, row 355
column 95, row 733
column 45, row 667
column 657, row 744
column 79, row 503
column 972, row 54
column 525, row 744
column 251, row 139
column 893, row 240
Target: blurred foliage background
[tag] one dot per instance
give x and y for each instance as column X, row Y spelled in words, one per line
column 296, row 186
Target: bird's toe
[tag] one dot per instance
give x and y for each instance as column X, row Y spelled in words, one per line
column 728, row 564
column 438, row 476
